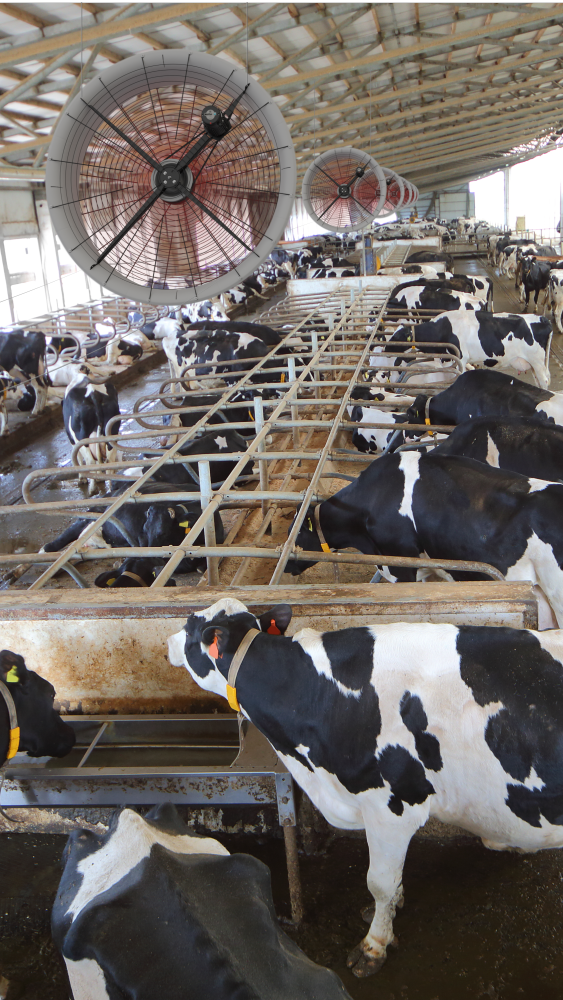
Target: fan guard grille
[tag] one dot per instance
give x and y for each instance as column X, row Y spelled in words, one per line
column 337, row 167
column 96, row 181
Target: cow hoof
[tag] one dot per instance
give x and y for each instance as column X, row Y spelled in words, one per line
column 363, row 965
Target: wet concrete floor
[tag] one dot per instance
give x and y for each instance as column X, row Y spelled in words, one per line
column 476, row 925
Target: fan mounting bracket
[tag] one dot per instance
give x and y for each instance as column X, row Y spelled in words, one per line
column 173, row 179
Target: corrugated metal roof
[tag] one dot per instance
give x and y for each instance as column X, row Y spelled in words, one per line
column 440, row 92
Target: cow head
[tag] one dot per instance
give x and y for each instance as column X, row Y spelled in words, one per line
column 42, row 731
column 132, row 573
column 210, row 638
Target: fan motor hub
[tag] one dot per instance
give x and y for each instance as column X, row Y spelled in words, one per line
column 344, row 190
column 169, row 175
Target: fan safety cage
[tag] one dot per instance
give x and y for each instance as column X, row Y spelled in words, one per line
column 336, row 197
column 396, row 191
column 127, row 136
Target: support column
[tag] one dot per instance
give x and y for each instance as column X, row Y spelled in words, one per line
column 507, row 197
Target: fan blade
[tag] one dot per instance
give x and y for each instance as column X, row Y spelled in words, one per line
column 330, row 206
column 123, row 135
column 192, row 197
column 331, row 179
column 138, row 214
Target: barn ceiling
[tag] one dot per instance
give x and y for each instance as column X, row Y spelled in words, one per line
column 440, row 92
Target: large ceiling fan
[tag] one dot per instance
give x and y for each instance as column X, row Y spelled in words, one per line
column 171, row 176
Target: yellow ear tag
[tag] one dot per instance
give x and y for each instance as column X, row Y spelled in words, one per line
column 110, row 583
column 325, row 547
column 12, row 677
column 282, row 379
column 184, row 524
column 427, row 421
column 310, row 523
column 13, row 745
column 232, row 698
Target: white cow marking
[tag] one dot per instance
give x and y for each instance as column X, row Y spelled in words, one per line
column 130, row 842
column 409, row 467
column 87, row 979
column 311, row 641
column 492, row 452
column 221, row 442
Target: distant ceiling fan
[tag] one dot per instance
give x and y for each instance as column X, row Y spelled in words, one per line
column 344, row 189
column 170, row 176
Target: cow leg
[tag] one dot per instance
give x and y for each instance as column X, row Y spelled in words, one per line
column 69, row 535
column 3, row 419
column 40, row 395
column 388, row 837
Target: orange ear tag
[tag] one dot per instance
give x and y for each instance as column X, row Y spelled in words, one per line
column 213, row 650
column 273, row 629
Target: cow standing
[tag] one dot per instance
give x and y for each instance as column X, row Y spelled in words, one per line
column 22, row 355
column 86, row 411
column 385, row 726
column 487, row 393
column 503, row 340
column 449, row 508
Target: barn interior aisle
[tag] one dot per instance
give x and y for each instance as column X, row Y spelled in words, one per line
column 281, row 496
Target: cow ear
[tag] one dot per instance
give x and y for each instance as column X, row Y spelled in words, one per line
column 12, row 667
column 216, row 638
column 276, row 621
column 106, row 579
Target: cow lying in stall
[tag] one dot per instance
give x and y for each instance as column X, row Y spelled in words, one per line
column 503, row 340
column 150, row 524
column 87, row 407
column 22, row 355
column 426, row 270
column 42, row 732
column 449, row 508
column 213, row 443
column 200, row 922
column 396, row 723
column 432, row 257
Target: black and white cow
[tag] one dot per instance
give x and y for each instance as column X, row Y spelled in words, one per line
column 42, row 731
column 86, row 411
column 387, row 725
column 503, row 340
column 7, row 384
column 200, row 923
column 212, row 443
column 369, row 438
column 22, row 355
column 220, row 344
column 554, row 297
column 132, row 573
column 413, row 269
column 430, row 256
column 519, row 444
column 150, row 524
column 449, row 508
column 487, row 393
column 535, row 278
column 424, row 293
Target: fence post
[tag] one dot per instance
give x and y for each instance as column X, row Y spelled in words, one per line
column 206, row 491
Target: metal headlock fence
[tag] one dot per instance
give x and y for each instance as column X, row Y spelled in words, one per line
column 330, row 344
